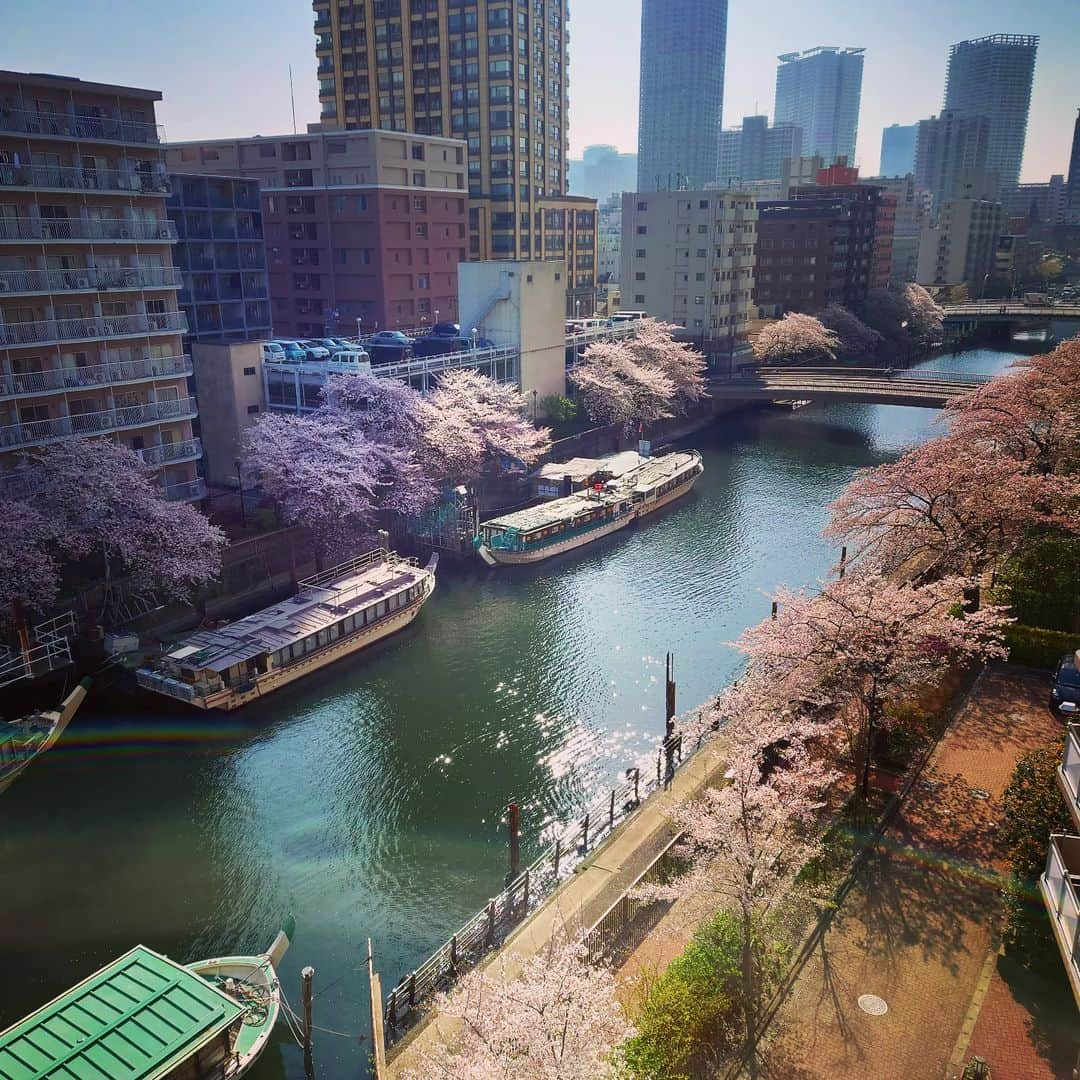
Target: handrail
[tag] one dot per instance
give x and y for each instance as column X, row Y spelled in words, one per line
column 115, row 371
column 72, row 125
column 31, row 228
column 89, row 278
column 70, row 178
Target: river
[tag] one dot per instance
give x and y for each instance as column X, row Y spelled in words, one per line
column 367, row 799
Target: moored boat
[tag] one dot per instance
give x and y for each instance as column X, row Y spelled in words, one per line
column 21, row 741
column 146, row 1016
column 332, row 615
column 561, row 525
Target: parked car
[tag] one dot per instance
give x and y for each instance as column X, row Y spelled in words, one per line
column 352, row 361
column 331, row 345
column 445, row 329
column 1065, row 691
column 389, row 337
column 315, row 350
column 273, row 352
column 294, row 352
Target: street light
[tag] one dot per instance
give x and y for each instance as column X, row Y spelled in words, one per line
column 474, row 339
column 534, row 406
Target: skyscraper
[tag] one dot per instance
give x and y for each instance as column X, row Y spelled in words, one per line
column 819, row 91
column 755, row 151
column 898, row 149
column 492, row 72
column 948, row 147
column 1072, row 184
column 683, row 44
column 991, row 77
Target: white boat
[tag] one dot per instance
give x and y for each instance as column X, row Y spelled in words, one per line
column 332, row 615
column 252, row 982
column 561, row 525
column 21, row 741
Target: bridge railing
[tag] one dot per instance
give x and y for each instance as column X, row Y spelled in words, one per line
column 908, row 376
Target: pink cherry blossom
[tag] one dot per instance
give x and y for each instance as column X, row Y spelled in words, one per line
column 795, row 339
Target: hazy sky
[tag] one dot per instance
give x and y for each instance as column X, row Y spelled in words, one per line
column 224, row 66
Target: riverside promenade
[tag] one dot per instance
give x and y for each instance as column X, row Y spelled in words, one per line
column 584, row 898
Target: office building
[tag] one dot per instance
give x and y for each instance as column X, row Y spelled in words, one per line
column 756, row 151
column 960, row 246
column 1072, row 183
column 362, row 228
column 991, row 77
column 948, row 146
column 494, row 73
column 225, row 293
column 688, row 259
column 610, row 241
column 898, row 149
column 603, row 172
column 683, row 45
column 913, row 212
column 1043, row 203
column 825, row 244
column 819, row 91
column 90, row 332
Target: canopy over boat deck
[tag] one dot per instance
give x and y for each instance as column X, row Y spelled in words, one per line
column 142, row 1017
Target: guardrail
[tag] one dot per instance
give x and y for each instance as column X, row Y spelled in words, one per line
column 490, row 926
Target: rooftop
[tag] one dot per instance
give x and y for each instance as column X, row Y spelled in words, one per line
column 70, row 82
column 135, row 1019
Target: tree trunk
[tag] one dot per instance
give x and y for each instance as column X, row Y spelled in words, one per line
column 864, row 783
column 749, row 995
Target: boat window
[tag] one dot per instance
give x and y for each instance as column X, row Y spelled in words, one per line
column 324, row 637
column 380, row 610
column 348, row 625
column 332, row 632
column 310, row 644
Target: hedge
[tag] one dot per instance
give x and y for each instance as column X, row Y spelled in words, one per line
column 1037, row 647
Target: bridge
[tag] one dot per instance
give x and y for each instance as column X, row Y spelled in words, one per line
column 1060, row 321
column 876, row 386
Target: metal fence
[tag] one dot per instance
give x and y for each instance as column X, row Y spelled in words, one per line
column 490, row 927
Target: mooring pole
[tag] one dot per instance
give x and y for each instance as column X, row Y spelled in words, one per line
column 585, row 835
column 611, row 812
column 669, row 691
column 307, row 976
column 637, row 784
column 843, row 561
column 772, row 615
column 558, row 855
column 514, row 826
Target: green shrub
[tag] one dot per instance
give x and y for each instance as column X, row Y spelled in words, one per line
column 558, row 409
column 1042, row 584
column 1036, row 647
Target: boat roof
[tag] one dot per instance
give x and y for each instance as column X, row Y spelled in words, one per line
column 320, row 602
column 135, row 1019
column 553, row 512
column 657, row 470
column 579, row 469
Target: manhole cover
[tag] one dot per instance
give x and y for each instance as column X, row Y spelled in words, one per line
column 872, row 1004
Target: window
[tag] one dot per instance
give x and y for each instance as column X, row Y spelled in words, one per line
column 252, row 409
column 703, row 204
column 249, row 371
column 421, row 231
column 419, row 179
column 423, row 281
column 418, row 151
column 639, row 298
column 267, row 150
column 642, row 230
column 419, row 204
column 639, row 276
column 643, row 206
column 336, row 146
column 639, row 254
column 703, row 228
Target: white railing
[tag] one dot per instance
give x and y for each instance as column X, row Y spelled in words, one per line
column 1011, row 307
column 116, row 371
column 188, row 492
column 598, row 333
column 91, row 278
column 97, row 423
column 51, row 649
column 1069, row 771
column 1059, row 884
column 69, row 178
column 73, row 126
column 167, row 453
column 91, row 328
column 31, row 228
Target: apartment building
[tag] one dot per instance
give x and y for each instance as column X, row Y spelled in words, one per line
column 756, row 151
column 819, row 91
column 225, row 294
column 90, row 331
column 494, row 73
column 362, row 228
column 960, row 247
column 913, row 206
column 688, row 258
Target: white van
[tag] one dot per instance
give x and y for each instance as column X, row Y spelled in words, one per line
column 628, row 316
column 349, row 362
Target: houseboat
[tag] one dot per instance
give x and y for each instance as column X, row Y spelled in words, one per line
column 332, row 615
column 21, row 741
column 552, row 528
column 147, row 1016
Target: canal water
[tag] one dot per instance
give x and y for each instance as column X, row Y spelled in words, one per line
column 367, row 799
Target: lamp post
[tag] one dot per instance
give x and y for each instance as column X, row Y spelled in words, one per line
column 534, row 405
column 240, row 489
column 474, row 339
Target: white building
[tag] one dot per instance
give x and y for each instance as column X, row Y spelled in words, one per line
column 913, row 207
column 609, row 243
column 688, row 258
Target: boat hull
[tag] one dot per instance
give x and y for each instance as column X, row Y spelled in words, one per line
column 259, row 982
column 647, row 508
column 59, row 722
column 520, row 558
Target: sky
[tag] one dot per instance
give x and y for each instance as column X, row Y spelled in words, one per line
column 224, row 66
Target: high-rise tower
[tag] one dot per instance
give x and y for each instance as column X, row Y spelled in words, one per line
column 819, row 90
column 992, row 77
column 682, row 92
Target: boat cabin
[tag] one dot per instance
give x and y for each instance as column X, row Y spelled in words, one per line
column 555, row 521
column 142, row 1015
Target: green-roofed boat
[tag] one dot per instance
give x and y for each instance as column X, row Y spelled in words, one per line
column 146, row 1017
column 23, row 740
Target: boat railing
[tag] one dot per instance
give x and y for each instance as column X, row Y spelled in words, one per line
column 323, row 582
column 52, row 650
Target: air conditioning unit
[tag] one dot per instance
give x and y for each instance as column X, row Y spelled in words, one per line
column 125, row 233
column 83, row 282
column 164, row 234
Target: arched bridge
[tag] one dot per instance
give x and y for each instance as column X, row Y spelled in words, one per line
column 877, row 386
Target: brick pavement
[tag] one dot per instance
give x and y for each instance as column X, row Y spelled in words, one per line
column 918, row 926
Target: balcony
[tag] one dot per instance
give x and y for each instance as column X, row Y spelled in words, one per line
column 91, row 328
column 1060, row 888
column 117, row 371
column 37, row 230
column 90, row 279
column 57, row 125
column 66, row 178
column 191, row 491
column 96, row 423
column 171, row 453
column 1068, row 773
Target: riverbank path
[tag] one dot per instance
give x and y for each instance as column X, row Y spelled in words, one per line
column 598, row 883
column 919, row 930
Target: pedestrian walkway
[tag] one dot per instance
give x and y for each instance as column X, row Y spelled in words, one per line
column 597, row 884
column 893, row 986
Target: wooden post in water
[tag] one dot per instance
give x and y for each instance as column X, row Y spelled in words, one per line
column 514, row 826
column 669, row 691
column 558, row 855
column 772, row 614
column 378, row 1034
column 585, row 835
column 611, row 811
column 843, row 561
column 307, row 976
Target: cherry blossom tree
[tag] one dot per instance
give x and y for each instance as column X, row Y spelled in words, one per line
column 471, row 422
column 654, row 347
column 616, row 388
column 949, row 506
column 96, row 506
column 31, row 573
column 557, row 1018
column 796, row 339
column 855, row 338
column 388, row 411
column 871, row 643
column 908, row 317
column 925, row 317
